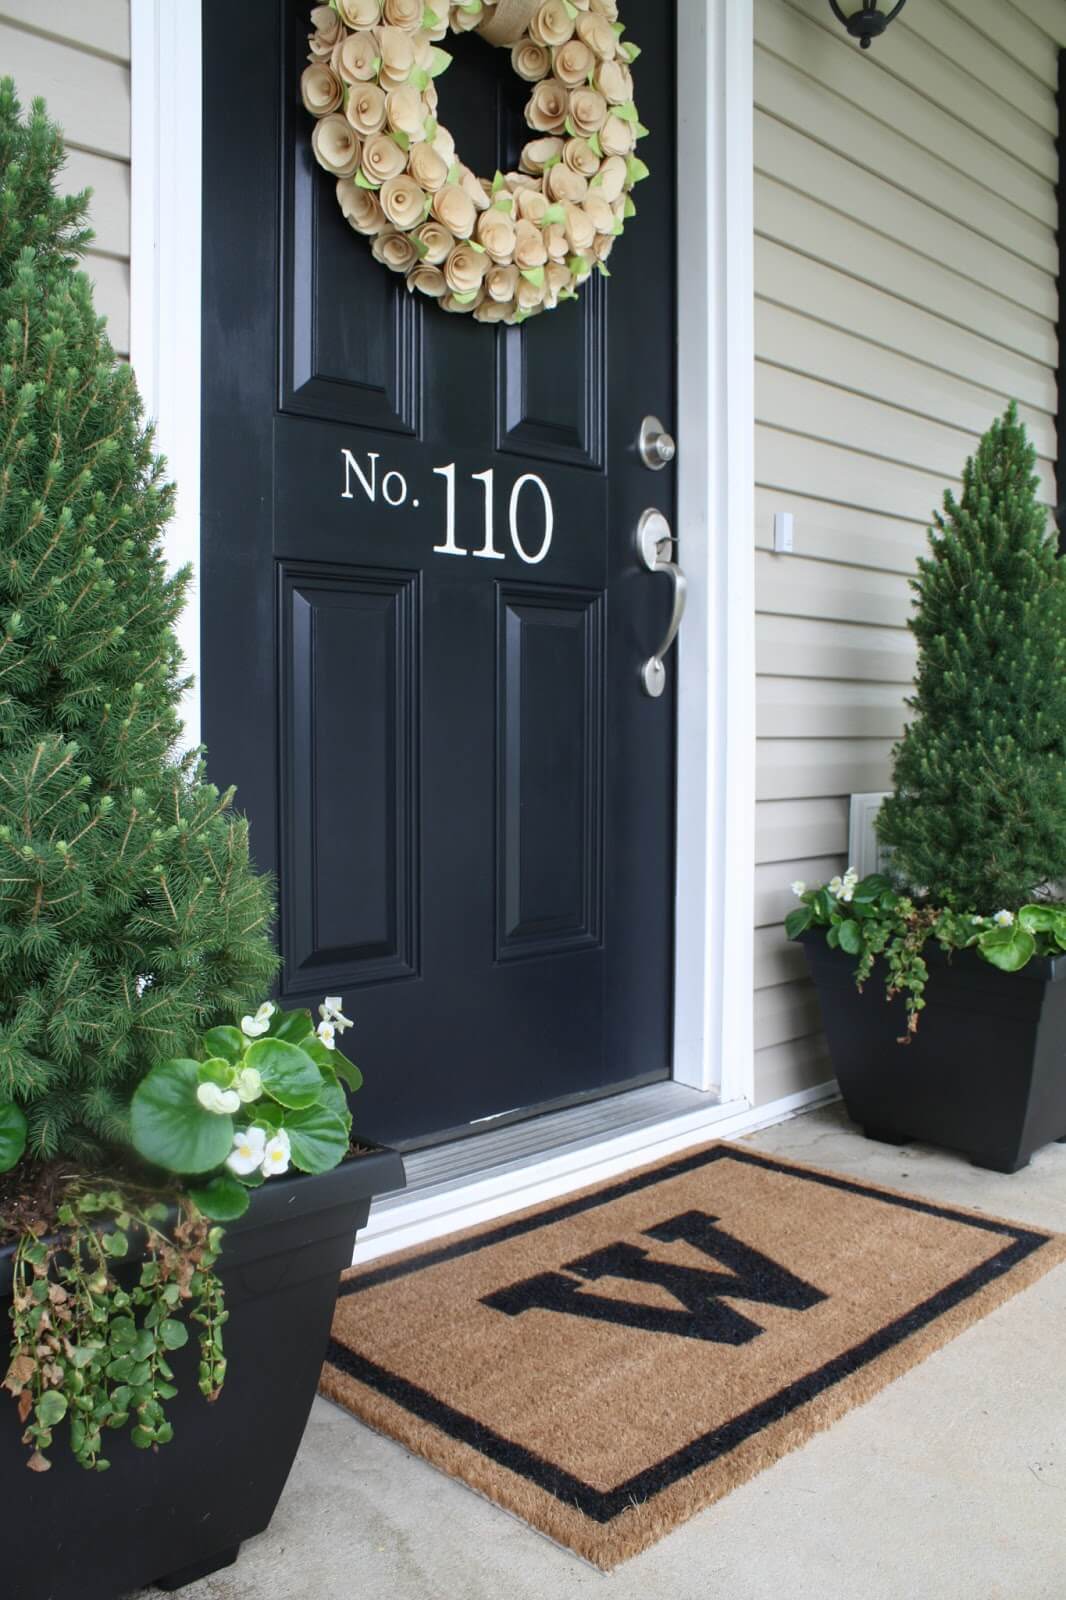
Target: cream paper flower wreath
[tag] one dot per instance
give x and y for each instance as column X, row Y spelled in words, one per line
column 503, row 248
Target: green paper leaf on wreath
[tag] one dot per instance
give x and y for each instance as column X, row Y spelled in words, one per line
column 595, row 146
column 453, row 172
column 471, row 7
column 569, row 127
column 637, row 170
column 619, row 228
column 402, row 139
column 631, row 51
column 430, row 129
column 480, row 248
column 423, row 249
column 552, row 161
column 597, row 181
column 571, row 10
column 505, row 203
column 363, row 182
column 534, row 275
column 499, row 182
column 618, row 28
column 376, row 65
column 642, row 131
column 555, row 213
column 419, row 79
column 430, row 18
column 439, row 61
column 630, row 208
column 626, row 113
column 465, row 299
column 605, row 271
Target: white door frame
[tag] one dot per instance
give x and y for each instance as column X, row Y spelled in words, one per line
column 715, row 427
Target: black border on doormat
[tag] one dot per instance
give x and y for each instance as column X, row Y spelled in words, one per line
column 603, row 1506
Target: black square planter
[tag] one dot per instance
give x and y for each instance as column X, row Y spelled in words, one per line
column 986, row 1072
column 171, row 1516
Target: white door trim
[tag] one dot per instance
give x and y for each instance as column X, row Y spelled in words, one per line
column 714, row 426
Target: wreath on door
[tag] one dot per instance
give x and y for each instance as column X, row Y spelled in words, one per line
column 503, row 248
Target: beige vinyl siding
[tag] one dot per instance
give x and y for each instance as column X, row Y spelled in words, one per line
column 76, row 54
column 905, row 275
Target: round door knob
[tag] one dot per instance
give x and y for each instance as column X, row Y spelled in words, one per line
column 657, row 447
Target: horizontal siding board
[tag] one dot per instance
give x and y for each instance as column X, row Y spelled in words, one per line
column 808, row 347
column 788, row 1068
column 828, row 236
column 111, row 285
column 907, row 60
column 777, row 960
column 940, row 28
column 825, row 531
column 87, row 95
column 794, row 769
column 99, row 25
column 773, row 895
column 109, row 207
column 788, row 830
column 792, row 708
column 786, row 1013
column 794, row 586
column 1013, row 34
column 890, row 160
column 830, row 59
column 815, row 648
column 833, row 298
column 872, row 427
column 811, row 467
column 1049, row 15
column 834, row 180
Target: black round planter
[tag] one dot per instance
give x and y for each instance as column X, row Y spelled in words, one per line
column 986, row 1072
column 173, row 1516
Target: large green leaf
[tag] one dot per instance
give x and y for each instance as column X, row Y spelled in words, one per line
column 1007, row 948
column 851, row 938
column 224, row 1199
column 225, row 1042
column 318, row 1137
column 170, row 1127
column 293, row 1026
column 334, row 1061
column 289, row 1075
column 798, row 921
column 12, row 1136
column 335, row 1100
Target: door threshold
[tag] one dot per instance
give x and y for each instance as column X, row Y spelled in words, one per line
column 497, row 1173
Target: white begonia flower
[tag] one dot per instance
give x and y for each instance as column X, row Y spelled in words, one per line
column 252, row 1027
column 1004, row 919
column 330, row 1011
column 799, row 888
column 327, row 1035
column 249, row 1084
column 977, row 921
column 276, row 1155
column 224, row 1102
column 249, row 1151
column 836, row 887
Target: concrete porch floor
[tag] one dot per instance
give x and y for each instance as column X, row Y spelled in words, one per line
column 949, row 1485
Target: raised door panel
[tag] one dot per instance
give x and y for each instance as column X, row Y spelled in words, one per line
column 550, row 772
column 349, row 806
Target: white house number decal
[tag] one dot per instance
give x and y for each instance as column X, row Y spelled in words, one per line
column 394, row 492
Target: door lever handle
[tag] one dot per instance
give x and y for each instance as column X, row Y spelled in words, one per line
column 655, row 540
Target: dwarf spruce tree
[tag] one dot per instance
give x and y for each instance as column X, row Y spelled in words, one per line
column 978, row 817
column 129, row 913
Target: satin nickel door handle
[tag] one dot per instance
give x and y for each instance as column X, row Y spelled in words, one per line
column 654, row 542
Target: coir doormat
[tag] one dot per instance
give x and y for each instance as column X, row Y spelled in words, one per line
column 608, row 1364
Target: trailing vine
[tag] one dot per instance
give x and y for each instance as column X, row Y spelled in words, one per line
column 869, row 919
column 92, row 1342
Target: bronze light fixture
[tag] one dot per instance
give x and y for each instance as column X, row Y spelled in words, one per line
column 865, row 22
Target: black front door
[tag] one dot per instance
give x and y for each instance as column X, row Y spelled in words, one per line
column 423, row 614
